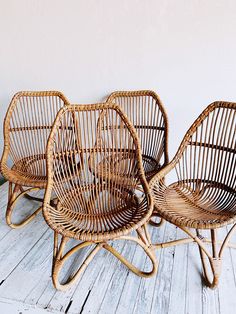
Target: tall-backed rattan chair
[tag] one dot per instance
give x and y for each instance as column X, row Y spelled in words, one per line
column 100, row 205
column 203, row 196
column 148, row 116
column 27, row 126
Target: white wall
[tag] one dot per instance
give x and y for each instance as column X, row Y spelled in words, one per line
column 185, row 50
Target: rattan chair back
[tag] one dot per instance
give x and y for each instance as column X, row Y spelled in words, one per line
column 207, row 157
column 97, row 137
column 27, row 126
column 148, row 116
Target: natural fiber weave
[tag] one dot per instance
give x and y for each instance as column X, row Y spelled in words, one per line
column 27, row 126
column 147, row 114
column 203, row 196
column 95, row 207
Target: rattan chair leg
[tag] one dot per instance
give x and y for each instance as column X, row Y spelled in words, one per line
column 214, row 267
column 13, row 196
column 215, row 262
column 214, row 258
column 30, row 197
column 172, row 243
column 143, row 241
column 59, row 260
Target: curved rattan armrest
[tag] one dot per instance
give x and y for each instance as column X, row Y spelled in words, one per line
column 150, row 204
column 163, row 172
column 147, row 192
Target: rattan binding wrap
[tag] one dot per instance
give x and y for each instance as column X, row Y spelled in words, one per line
column 203, row 196
column 27, row 126
column 95, row 207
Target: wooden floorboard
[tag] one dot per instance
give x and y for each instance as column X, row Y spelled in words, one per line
column 161, row 291
column 107, row 286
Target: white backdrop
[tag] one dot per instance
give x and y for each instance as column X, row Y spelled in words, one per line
column 185, row 50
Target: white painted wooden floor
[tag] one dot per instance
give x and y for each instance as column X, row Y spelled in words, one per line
column 107, row 286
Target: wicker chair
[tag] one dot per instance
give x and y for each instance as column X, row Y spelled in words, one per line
column 203, row 196
column 148, row 116
column 95, row 207
column 27, row 126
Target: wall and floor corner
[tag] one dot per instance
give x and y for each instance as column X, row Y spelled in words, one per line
column 184, row 50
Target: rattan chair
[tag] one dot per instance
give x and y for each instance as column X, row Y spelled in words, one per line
column 27, row 126
column 148, row 116
column 95, row 207
column 203, row 196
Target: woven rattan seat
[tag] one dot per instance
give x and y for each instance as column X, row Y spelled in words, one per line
column 80, row 223
column 27, row 126
column 196, row 212
column 203, row 194
column 97, row 201
column 31, row 170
